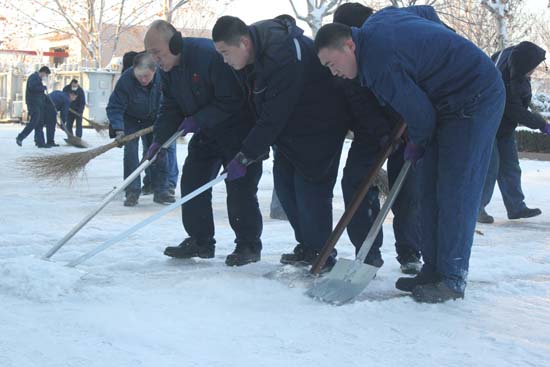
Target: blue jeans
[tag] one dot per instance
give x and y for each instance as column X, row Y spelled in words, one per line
column 504, row 169
column 307, row 204
column 157, row 171
column 173, row 169
column 452, row 174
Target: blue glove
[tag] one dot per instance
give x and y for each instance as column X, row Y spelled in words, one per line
column 546, row 129
column 413, row 152
column 237, row 167
column 189, row 125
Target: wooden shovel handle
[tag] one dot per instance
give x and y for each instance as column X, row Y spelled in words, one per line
column 358, row 198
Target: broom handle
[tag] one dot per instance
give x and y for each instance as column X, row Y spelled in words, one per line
column 375, row 228
column 357, row 199
column 142, row 167
column 126, row 138
column 148, row 220
column 80, row 115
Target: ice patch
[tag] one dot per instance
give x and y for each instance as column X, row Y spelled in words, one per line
column 36, row 279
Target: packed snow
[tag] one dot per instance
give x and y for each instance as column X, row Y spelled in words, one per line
column 132, row 306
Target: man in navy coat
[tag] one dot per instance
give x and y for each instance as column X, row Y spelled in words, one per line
column 451, row 97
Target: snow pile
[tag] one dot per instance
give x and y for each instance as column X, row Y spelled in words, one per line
column 35, row 279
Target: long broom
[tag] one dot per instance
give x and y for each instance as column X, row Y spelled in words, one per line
column 69, row 165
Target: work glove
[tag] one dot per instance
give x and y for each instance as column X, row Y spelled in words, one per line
column 154, row 149
column 413, row 152
column 189, row 125
column 546, row 129
column 237, row 167
column 119, row 134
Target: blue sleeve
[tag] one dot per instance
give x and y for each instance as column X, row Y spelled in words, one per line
column 118, row 102
column 397, row 89
column 35, row 84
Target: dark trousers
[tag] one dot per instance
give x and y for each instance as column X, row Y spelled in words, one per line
column 70, row 120
column 504, row 169
column 307, row 203
column 204, row 160
column 49, row 119
column 35, row 113
column 157, row 171
column 452, row 173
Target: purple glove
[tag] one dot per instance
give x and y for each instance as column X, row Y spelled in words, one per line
column 237, row 167
column 413, row 152
column 546, row 129
column 189, row 125
column 154, row 149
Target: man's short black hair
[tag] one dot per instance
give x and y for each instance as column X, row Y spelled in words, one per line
column 74, row 81
column 229, row 29
column 45, row 69
column 332, row 36
column 128, row 60
column 352, row 14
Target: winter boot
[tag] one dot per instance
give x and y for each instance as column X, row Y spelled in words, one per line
column 525, row 213
column 191, row 247
column 131, row 199
column 410, row 264
column 163, row 198
column 19, row 142
column 483, row 217
column 52, row 144
column 244, row 254
column 302, row 256
column 423, row 278
column 296, row 256
column 435, row 293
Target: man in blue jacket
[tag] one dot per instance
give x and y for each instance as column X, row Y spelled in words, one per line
column 201, row 95
column 133, row 106
column 299, row 109
column 451, row 97
column 516, row 65
column 56, row 101
column 34, row 97
column 77, row 105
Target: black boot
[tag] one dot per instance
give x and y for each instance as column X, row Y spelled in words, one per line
column 525, row 213
column 485, row 218
column 131, row 199
column 297, row 255
column 303, row 256
column 52, row 144
column 164, row 198
column 435, row 293
column 19, row 142
column 191, row 247
column 410, row 263
column 424, row 277
column 146, row 189
column 244, row 254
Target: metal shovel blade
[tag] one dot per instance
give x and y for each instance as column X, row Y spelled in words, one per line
column 346, row 280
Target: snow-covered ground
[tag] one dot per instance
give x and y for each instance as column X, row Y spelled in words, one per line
column 132, row 306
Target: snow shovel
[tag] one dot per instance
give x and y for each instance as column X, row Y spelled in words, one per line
column 146, row 221
column 348, row 278
column 365, row 186
column 144, row 164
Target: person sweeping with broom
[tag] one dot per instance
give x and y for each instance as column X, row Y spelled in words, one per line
column 133, row 106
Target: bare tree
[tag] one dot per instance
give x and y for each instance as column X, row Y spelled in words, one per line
column 404, row 3
column 316, row 11
column 499, row 9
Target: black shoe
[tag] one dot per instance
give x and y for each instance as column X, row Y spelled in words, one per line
column 485, row 218
column 525, row 213
column 302, row 256
column 435, row 293
column 191, row 247
column 146, row 189
column 244, row 254
column 424, row 277
column 297, row 255
column 19, row 142
column 131, row 199
column 42, row 145
column 376, row 261
column 164, row 198
column 52, row 144
column 410, row 264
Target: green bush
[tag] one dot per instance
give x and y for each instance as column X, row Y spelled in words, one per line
column 529, row 141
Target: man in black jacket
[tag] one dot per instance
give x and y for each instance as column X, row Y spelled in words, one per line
column 201, row 90
column 299, row 109
column 516, row 65
column 77, row 105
